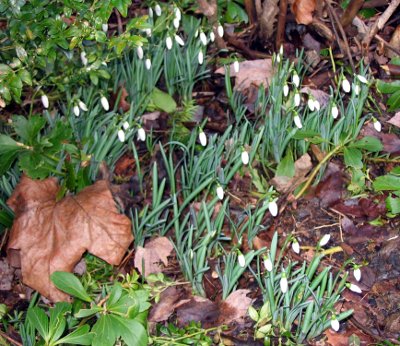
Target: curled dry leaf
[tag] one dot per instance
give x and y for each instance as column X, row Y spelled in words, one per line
column 52, row 235
column 303, row 11
column 148, row 259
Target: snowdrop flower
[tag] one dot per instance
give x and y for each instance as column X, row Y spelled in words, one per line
column 220, row 30
column 356, row 89
column 196, row 34
column 278, row 58
column 283, row 283
column 203, row 38
column 297, row 121
column 179, row 40
column 151, row 14
column 346, row 85
column 139, row 52
column 285, row 90
column 297, row 99
column 335, row 323
column 202, row 138
column 141, row 134
column 168, row 42
column 104, row 103
column 176, row 23
column 104, row 27
column 377, row 125
column 200, row 58
column 236, row 66
column 295, row 246
column 82, row 106
column 45, row 101
column 245, row 157
column 317, row 105
column 84, row 59
column 125, row 125
column 353, row 288
column 191, row 254
column 362, row 79
column 121, row 136
column 148, row 64
column 273, row 208
column 324, row 240
column 220, row 192
column 281, row 50
column 296, row 79
column 311, row 104
column 357, row 273
column 241, row 260
column 212, row 36
column 334, row 111
column 76, row 110
column 157, row 9
column 148, row 32
column 178, row 13
column 268, row 264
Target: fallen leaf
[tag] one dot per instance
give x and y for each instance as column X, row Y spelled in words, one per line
column 148, row 258
column 235, row 307
column 251, row 73
column 395, row 120
column 321, row 96
column 303, row 11
column 169, row 299
column 6, row 275
column 285, row 184
column 198, row 309
column 52, row 236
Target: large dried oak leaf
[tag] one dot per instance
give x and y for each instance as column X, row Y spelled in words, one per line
column 52, row 236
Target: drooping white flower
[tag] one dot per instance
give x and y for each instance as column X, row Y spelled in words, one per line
column 121, row 135
column 178, row 14
column 212, row 36
column 324, row 240
column 297, row 99
column 354, row 288
column 157, row 9
column 377, row 125
column 82, row 106
column 296, row 79
column 283, row 283
column 151, row 14
column 148, row 32
column 241, row 260
column 310, row 104
column 357, row 273
column 203, row 38
column 141, row 134
column 281, row 50
column 76, row 110
column 317, row 105
column 335, row 325
column 220, row 192
column 278, row 58
column 84, row 59
column 191, row 254
column 285, row 90
column 346, row 85
column 268, row 263
column 334, row 111
column 273, row 208
column 295, row 246
column 104, row 27
column 196, row 33
column 362, row 79
column 148, row 64
column 45, row 101
column 200, row 58
column 176, row 22
column 202, row 138
column 297, row 122
column 357, row 89
column 168, row 42
column 245, row 157
column 179, row 40
column 220, row 30
column 236, row 66
column 104, row 103
column 125, row 125
column 139, row 52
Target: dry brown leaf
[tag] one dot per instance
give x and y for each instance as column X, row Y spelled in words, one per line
column 251, row 72
column 235, row 307
column 321, row 96
column 285, row 184
column 169, row 300
column 267, row 14
column 303, row 11
column 198, row 309
column 148, row 259
column 52, row 236
column 395, row 120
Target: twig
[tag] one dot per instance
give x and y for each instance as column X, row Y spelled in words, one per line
column 280, row 33
column 119, row 21
column 387, row 44
column 350, row 12
column 379, row 24
column 14, row 342
column 251, row 11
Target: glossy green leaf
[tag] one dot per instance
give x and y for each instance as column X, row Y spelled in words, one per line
column 388, row 88
column 39, row 320
column 394, row 101
column 286, row 166
column 386, row 183
column 368, row 143
column 28, row 128
column 393, row 204
column 163, row 101
column 80, row 336
column 70, row 284
column 353, row 157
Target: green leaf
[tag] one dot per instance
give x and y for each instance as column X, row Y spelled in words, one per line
column 286, row 166
column 82, row 313
column 253, row 314
column 70, row 284
column 353, row 157
column 115, row 295
column 354, row 340
column 122, row 6
column 368, row 143
column 105, row 333
column 393, row 204
column 163, row 101
column 131, row 331
column 394, row 101
column 25, row 77
column 386, row 183
column 28, row 129
column 35, row 165
column 58, row 320
column 39, row 320
column 388, row 88
column 9, row 150
column 80, row 336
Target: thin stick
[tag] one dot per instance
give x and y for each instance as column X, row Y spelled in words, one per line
column 280, row 33
column 350, row 12
column 5, row 336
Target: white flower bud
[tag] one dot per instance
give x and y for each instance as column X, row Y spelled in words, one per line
column 220, row 192
column 168, row 42
column 354, row 288
column 45, row 101
column 148, row 32
column 362, row 79
column 125, row 125
column 285, row 90
column 241, row 260
column 283, row 283
column 268, row 264
column 139, row 52
column 236, row 66
column 191, row 254
column 377, row 125
column 346, row 85
column 317, row 105
column 157, row 9
column 84, row 60
column 296, row 79
column 203, row 38
column 76, row 110
column 356, row 89
column 200, row 58
column 212, row 36
column 202, row 138
column 297, row 99
column 121, row 135
column 196, row 34
column 310, row 104
column 179, row 40
column 148, row 64
column 273, row 208
column 245, row 157
column 151, row 14
column 334, row 111
column 278, row 58
column 104, row 103
column 176, row 22
column 220, row 30
column 357, row 273
column 335, row 323
column 178, row 14
column 82, row 106
column 295, row 246
column 324, row 240
column 281, row 50
column 141, row 134
column 297, row 121
column 104, row 27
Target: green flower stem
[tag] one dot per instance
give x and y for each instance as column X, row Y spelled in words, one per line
column 173, row 341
